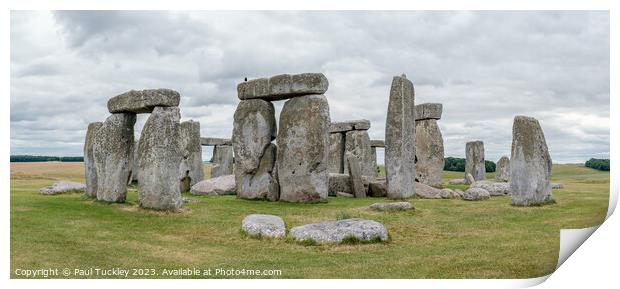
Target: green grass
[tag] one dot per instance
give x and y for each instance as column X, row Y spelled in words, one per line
column 439, row 239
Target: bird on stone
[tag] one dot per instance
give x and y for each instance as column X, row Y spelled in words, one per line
column 246, row 79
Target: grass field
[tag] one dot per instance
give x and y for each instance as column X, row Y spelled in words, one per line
column 439, row 239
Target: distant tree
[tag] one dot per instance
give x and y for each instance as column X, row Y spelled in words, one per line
column 458, row 165
column 489, row 166
column 598, row 164
column 31, row 158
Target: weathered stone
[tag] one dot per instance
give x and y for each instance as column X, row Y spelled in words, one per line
column 338, row 231
column 395, row 206
column 530, row 163
column 502, row 169
column 336, row 153
column 344, row 126
column 283, row 86
column 476, row 194
column 429, row 152
column 90, row 171
column 191, row 168
column 357, row 143
column 339, row 183
column 303, row 149
column 254, row 128
column 457, row 182
column 556, row 186
column 427, row 192
column 459, row 193
column 373, row 163
column 262, row 183
column 449, row 194
column 160, row 156
column 474, row 160
column 344, row 195
column 143, row 101
column 222, row 185
column 377, row 187
column 215, row 141
column 469, row 179
column 222, row 160
column 494, row 188
column 112, row 147
column 355, row 174
column 379, row 143
column 63, row 187
column 259, row 225
column 428, row 111
column 135, row 171
column 400, row 140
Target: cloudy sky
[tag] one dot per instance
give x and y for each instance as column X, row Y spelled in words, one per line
column 485, row 67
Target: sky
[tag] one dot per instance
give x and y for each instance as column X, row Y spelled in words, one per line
column 484, row 67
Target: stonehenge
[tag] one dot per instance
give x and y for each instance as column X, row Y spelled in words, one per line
column 222, row 160
column 530, row 164
column 350, row 137
column 474, row 160
column 400, row 139
column 429, row 149
column 190, row 169
column 502, row 169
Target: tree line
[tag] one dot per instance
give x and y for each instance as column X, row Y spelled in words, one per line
column 599, row 164
column 458, row 165
column 31, row 158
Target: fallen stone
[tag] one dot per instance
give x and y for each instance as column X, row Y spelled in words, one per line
column 258, row 225
column 143, row 101
column 377, row 188
column 395, row 206
column 160, row 156
column 379, row 143
column 459, row 193
column 476, row 194
column 474, row 160
column 530, row 164
column 502, row 169
column 344, row 195
column 336, row 153
column 427, row 192
column 215, row 141
column 355, row 175
column 429, row 152
column 400, row 140
column 222, row 162
column 191, row 167
column 218, row 186
column 113, row 149
column 303, row 149
column 61, row 187
column 494, row 188
column 90, row 171
column 339, row 183
column 556, row 186
column 283, row 86
column 339, row 231
column 428, row 111
column 449, row 194
column 457, row 182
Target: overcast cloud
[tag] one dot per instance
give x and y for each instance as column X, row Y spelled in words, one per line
column 485, row 67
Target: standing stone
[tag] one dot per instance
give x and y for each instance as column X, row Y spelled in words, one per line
column 190, row 170
column 134, row 163
column 113, row 145
column 160, row 156
column 400, row 140
column 355, row 175
column 303, row 149
column 222, row 161
column 429, row 152
column 357, row 142
column 474, row 160
column 254, row 128
column 530, row 164
column 90, row 171
column 502, row 169
column 336, row 153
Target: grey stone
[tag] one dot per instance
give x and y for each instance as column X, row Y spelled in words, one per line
column 222, row 185
column 344, row 195
column 113, row 147
column 428, row 111
column 222, row 160
column 429, row 152
column 556, row 186
column 215, row 141
column 449, row 194
column 63, row 187
column 355, row 174
column 191, row 168
column 303, row 149
column 457, row 182
column 357, row 142
column 283, row 86
column 344, row 126
column 90, row 171
column 373, row 163
column 494, row 188
column 339, row 183
column 135, row 171
column 530, row 164
column 474, row 160
column 502, row 169
column 377, row 187
column 400, row 140
column 459, row 193
column 259, row 225
column 160, row 156
column 427, row 192
column 254, row 128
column 469, row 179
column 476, row 194
column 379, row 143
column 338, row 231
column 336, row 153
column 395, row 206
column 143, row 101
